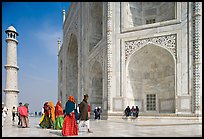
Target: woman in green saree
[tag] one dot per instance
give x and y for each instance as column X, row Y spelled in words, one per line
column 59, row 116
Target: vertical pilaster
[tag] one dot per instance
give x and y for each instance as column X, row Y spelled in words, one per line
column 109, row 54
column 197, row 55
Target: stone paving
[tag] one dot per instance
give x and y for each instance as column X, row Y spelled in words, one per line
column 144, row 126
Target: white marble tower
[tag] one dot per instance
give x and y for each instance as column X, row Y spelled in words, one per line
column 11, row 90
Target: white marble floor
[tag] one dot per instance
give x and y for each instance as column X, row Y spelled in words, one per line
column 118, row 127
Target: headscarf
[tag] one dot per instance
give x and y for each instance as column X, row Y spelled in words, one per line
column 71, row 99
column 52, row 111
column 46, row 108
column 70, row 105
column 45, row 105
column 58, row 109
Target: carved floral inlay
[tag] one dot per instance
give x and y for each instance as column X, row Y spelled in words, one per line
column 168, row 41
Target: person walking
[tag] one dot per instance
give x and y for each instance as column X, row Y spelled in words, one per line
column 23, row 110
column 19, row 120
column 137, row 111
column 4, row 113
column 13, row 114
column 70, row 126
column 52, row 113
column 83, row 109
column 59, row 116
column 46, row 121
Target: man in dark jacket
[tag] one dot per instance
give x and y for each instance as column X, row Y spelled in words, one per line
column 83, row 110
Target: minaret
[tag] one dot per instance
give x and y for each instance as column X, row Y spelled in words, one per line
column 58, row 42
column 11, row 90
column 63, row 15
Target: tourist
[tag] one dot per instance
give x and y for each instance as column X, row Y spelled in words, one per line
column 89, row 115
column 137, row 111
column 47, row 121
column 83, row 109
column 13, row 114
column 23, row 111
column 96, row 113
column 26, row 117
column 70, row 126
column 133, row 111
column 19, row 120
column 127, row 111
column 59, row 115
column 99, row 112
column 78, row 113
column 52, row 113
column 89, row 111
column 4, row 113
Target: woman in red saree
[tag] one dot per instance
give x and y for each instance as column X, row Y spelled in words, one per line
column 59, row 116
column 70, row 126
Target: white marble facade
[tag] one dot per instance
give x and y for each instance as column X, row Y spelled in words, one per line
column 133, row 53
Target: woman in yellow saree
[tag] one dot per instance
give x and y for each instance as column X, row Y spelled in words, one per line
column 52, row 112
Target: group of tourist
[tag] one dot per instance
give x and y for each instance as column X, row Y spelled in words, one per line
column 97, row 113
column 49, row 115
column 22, row 113
column 68, row 120
column 134, row 111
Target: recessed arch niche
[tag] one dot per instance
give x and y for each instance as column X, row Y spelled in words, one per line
column 72, row 68
column 96, row 85
column 151, row 70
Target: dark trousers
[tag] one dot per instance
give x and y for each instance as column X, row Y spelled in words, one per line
column 19, row 120
column 13, row 116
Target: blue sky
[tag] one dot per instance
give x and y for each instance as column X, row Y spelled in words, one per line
column 39, row 25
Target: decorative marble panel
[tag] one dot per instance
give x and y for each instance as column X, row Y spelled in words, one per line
column 117, row 103
column 185, row 104
column 168, row 42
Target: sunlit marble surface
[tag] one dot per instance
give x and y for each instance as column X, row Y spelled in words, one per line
column 118, row 127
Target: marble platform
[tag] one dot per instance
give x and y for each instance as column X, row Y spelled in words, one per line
column 144, row 126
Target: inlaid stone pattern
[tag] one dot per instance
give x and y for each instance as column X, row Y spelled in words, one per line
column 197, row 32
column 168, row 42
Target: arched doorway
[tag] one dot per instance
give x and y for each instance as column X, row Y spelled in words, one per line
column 72, row 68
column 151, row 79
column 96, row 85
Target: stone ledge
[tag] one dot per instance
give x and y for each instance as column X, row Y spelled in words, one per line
column 11, row 90
column 145, row 115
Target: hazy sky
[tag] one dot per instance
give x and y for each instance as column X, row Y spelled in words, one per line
column 39, row 25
